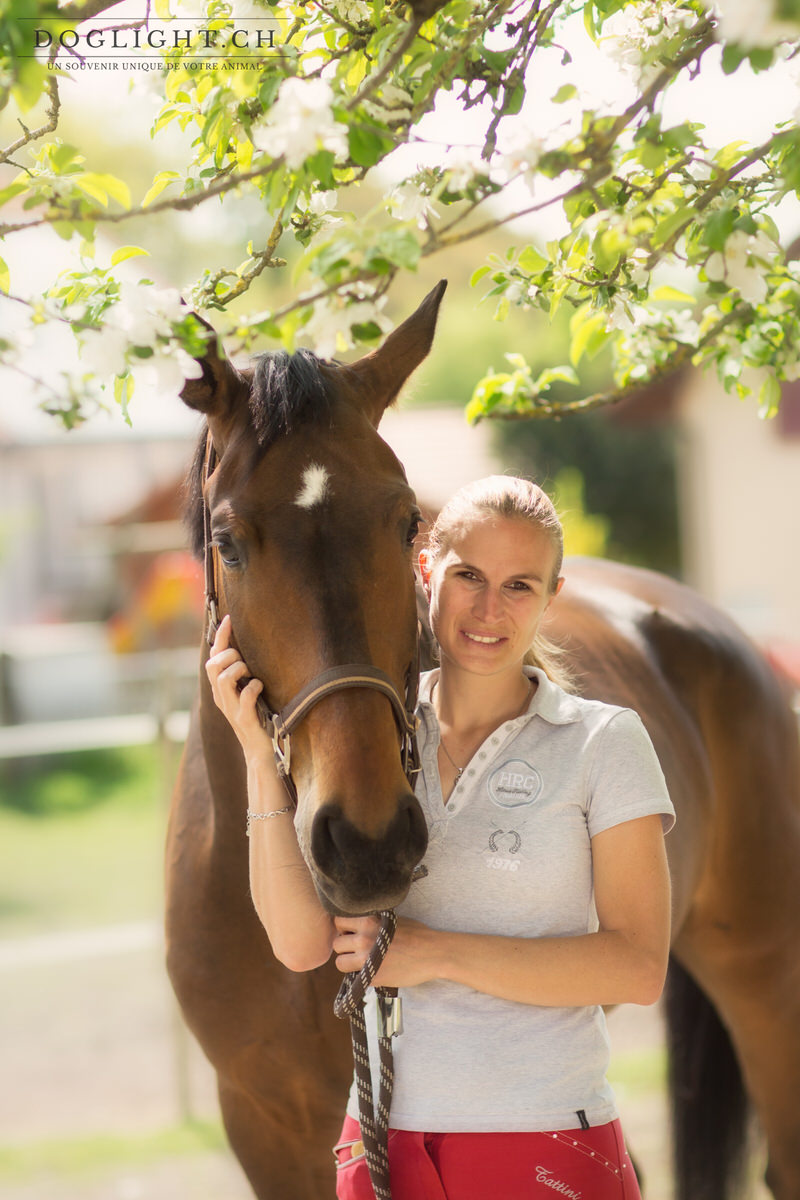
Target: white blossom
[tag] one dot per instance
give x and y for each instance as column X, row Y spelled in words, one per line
column 329, row 326
column 144, row 313
column 462, row 164
column 515, row 291
column 407, row 203
column 104, row 351
column 743, row 264
column 322, row 202
column 520, row 152
column 752, row 22
column 142, row 317
column 634, row 36
column 168, row 368
column 639, row 274
column 301, row 122
column 352, row 11
column 623, row 315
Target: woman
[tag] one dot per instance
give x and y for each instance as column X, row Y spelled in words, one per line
column 547, row 893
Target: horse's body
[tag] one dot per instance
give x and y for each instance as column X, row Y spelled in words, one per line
column 727, row 742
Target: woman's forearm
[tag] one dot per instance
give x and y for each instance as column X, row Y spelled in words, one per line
column 299, row 929
column 607, row 967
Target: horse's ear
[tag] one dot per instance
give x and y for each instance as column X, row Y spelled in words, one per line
column 218, row 390
column 381, row 374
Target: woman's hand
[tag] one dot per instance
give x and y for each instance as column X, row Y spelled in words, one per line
column 408, row 961
column 226, row 669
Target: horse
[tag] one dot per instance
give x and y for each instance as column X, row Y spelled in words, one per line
column 312, row 521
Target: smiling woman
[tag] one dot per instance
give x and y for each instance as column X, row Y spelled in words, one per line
column 545, row 893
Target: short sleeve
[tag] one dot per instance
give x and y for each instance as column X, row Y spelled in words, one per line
column 625, row 779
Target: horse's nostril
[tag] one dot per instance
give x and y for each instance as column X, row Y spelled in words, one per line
column 326, row 841
column 346, row 855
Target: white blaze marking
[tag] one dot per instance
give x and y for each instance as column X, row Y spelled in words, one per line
column 315, row 486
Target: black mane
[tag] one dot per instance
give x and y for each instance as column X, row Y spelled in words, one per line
column 288, row 390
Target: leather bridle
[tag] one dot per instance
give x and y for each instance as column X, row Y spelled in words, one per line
column 281, row 724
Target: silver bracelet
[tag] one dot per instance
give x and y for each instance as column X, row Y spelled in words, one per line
column 267, row 816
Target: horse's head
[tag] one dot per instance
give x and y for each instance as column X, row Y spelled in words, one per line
column 312, row 522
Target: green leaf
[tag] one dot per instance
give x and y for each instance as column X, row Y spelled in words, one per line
column 588, row 334
column 732, row 57
column 729, row 154
column 565, row 92
column 14, row 189
column 162, row 180
column 769, row 397
column 666, row 228
column 109, row 185
column 63, row 156
column 532, row 261
column 366, row 146
column 91, row 188
column 125, row 252
column 478, row 275
column 718, row 228
column 123, row 390
column 399, row 246
column 665, row 292
column 553, row 375
column 367, row 331
column 5, row 277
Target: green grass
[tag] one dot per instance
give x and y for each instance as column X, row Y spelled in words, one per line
column 65, row 1157
column 82, row 841
column 638, row 1070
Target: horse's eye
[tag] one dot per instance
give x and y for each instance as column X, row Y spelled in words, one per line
column 227, row 550
column 413, row 528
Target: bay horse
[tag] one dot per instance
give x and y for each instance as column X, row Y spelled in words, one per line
column 315, row 584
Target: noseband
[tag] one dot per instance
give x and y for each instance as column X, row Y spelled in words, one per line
column 280, row 725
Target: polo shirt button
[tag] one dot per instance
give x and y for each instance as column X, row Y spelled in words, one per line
column 482, row 754
column 495, row 741
column 450, row 806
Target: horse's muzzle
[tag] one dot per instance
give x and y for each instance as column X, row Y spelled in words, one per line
column 355, row 873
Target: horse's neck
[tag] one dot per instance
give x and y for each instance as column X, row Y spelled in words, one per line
column 225, row 766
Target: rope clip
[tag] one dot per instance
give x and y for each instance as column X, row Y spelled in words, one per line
column 390, row 1016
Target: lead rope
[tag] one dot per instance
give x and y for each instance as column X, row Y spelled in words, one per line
column 350, row 1003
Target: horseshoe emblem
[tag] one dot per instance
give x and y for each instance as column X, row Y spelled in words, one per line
column 516, row 840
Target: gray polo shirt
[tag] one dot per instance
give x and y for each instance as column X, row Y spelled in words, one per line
column 510, row 854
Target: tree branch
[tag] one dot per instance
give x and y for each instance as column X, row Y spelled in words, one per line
column 607, row 399
column 181, row 204
column 31, row 135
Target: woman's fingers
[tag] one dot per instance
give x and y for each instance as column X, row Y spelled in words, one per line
column 354, row 939
column 222, row 638
column 234, row 691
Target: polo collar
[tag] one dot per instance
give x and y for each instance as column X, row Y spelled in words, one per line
column 551, row 702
